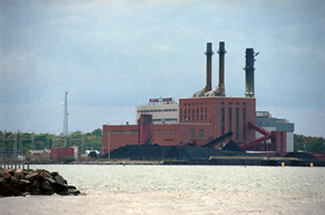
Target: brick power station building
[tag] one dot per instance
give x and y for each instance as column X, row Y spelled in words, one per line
column 207, row 115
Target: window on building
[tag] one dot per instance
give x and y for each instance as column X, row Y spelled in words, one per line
column 230, row 119
column 201, row 133
column 244, row 124
column 192, row 133
column 189, row 115
column 171, row 131
column 237, row 124
column 197, row 114
column 281, row 141
column 193, row 114
column 167, row 131
column 222, row 121
column 206, row 114
column 181, row 115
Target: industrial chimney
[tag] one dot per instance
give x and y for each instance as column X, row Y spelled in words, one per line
column 209, row 54
column 249, row 69
column 220, row 90
column 222, row 53
column 208, row 87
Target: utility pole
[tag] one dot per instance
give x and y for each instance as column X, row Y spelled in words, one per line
column 15, row 146
column 48, row 141
column 3, row 149
column 32, row 144
column 53, row 141
column 65, row 120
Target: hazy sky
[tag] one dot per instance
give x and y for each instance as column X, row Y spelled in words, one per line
column 113, row 55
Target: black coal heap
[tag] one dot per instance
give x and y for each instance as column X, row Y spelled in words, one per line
column 156, row 152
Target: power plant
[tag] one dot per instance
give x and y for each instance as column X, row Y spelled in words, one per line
column 207, row 119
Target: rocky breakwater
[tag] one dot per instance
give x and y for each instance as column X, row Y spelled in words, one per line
column 33, row 182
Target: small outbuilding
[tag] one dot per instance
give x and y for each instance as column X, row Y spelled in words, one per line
column 38, row 155
column 62, row 152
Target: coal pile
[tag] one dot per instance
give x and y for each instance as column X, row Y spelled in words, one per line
column 156, row 152
column 33, row 182
column 232, row 146
column 301, row 155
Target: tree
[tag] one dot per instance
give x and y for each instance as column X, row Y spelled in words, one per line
column 315, row 145
column 68, row 159
column 93, row 154
column 39, row 145
column 97, row 132
column 299, row 142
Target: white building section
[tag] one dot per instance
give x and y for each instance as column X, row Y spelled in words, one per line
column 266, row 121
column 163, row 111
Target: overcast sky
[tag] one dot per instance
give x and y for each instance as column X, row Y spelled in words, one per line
column 113, row 55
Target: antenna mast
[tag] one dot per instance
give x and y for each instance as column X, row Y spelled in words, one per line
column 65, row 119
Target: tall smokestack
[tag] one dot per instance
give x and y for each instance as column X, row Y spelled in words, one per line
column 249, row 69
column 208, row 85
column 209, row 54
column 222, row 53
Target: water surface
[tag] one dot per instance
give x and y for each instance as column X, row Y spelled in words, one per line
column 118, row 189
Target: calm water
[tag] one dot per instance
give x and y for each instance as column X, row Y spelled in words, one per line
column 117, row 189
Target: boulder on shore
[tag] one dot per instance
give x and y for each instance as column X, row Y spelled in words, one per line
column 33, row 182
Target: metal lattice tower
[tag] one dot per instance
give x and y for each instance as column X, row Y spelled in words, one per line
column 65, row 119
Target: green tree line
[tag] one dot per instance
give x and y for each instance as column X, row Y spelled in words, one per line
column 309, row 144
column 19, row 143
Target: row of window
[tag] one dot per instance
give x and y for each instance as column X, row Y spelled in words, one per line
column 223, row 103
column 194, row 114
column 165, row 131
column 165, row 119
column 171, row 131
column 157, row 110
column 193, row 104
column 121, row 132
column 230, row 103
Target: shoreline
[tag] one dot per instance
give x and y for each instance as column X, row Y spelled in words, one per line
column 218, row 162
column 117, row 162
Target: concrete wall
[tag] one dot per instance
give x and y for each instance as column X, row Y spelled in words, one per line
column 290, row 142
column 161, row 113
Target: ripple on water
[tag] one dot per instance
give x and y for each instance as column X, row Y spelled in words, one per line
column 181, row 190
